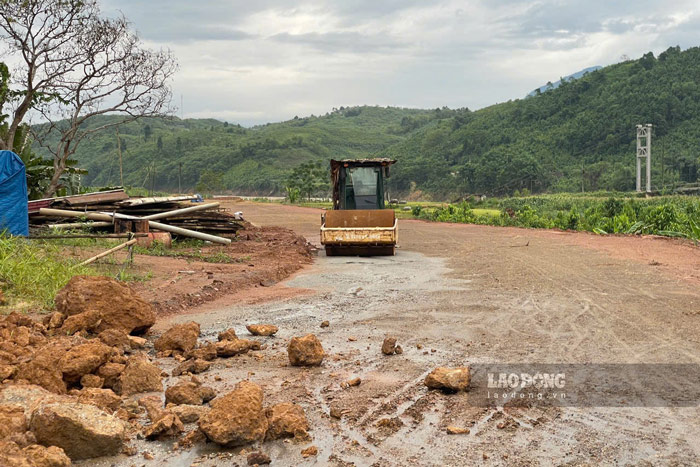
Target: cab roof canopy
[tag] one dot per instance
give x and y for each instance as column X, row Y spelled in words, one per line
column 381, row 162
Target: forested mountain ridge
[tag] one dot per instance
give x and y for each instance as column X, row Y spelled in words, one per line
column 580, row 135
column 247, row 160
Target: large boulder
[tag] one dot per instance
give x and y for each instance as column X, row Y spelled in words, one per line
column 305, row 351
column 82, row 430
column 139, row 375
column 236, row 418
column 448, row 379
column 182, row 337
column 44, row 369
column 115, row 304
column 84, row 359
column 11, row 455
column 286, row 420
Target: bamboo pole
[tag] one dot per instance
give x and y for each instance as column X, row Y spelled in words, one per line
column 77, row 225
column 93, row 216
column 108, row 252
column 177, row 212
column 189, row 233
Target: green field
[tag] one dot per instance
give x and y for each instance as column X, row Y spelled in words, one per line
column 673, row 216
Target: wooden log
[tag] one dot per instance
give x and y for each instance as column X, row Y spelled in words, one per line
column 49, row 237
column 108, row 252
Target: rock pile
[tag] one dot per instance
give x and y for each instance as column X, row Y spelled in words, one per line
column 68, row 382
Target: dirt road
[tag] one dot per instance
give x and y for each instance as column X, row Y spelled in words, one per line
column 459, row 295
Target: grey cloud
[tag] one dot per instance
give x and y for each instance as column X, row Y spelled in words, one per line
column 186, row 21
column 392, row 52
column 196, row 32
column 342, row 42
column 551, row 18
column 356, row 11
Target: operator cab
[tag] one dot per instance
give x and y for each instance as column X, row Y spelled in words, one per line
column 359, row 184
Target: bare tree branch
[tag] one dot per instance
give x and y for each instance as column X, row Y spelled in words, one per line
column 77, row 65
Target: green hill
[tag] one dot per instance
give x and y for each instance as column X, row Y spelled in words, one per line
column 252, row 160
column 579, row 135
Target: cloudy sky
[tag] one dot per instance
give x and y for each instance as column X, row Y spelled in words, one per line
column 257, row 61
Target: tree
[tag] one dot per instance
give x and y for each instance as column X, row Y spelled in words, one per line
column 38, row 169
column 210, row 182
column 307, row 179
column 76, row 65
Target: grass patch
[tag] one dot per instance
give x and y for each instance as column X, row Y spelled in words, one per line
column 33, row 272
column 487, row 212
column 315, row 204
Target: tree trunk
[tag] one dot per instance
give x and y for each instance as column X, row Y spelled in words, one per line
column 59, row 166
column 53, row 186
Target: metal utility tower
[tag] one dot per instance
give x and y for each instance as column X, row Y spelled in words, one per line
column 644, row 152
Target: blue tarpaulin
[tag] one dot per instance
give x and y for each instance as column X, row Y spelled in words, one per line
column 13, row 194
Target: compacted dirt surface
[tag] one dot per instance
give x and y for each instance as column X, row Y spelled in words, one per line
column 455, row 296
